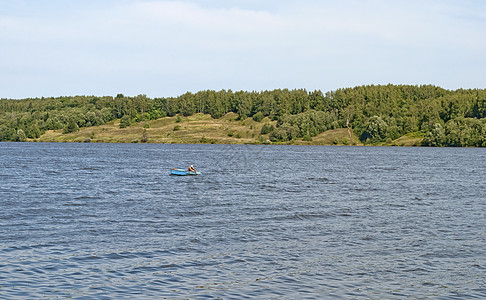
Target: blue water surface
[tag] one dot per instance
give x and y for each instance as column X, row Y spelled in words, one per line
column 107, row 221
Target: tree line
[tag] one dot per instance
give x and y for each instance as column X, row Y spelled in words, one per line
column 377, row 113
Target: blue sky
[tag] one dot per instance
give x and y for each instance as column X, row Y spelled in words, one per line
column 166, row 48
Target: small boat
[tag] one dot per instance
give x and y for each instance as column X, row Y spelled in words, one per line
column 182, row 172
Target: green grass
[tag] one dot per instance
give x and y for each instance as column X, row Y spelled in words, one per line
column 178, row 129
column 201, row 128
column 410, row 139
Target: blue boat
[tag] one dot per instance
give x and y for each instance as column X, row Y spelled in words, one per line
column 182, row 172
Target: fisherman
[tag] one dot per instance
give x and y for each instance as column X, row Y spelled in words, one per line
column 192, row 169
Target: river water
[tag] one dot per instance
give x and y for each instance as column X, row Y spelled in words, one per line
column 107, row 221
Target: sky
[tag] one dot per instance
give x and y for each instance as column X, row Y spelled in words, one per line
column 54, row 48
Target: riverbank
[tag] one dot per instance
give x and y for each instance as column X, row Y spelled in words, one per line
column 203, row 129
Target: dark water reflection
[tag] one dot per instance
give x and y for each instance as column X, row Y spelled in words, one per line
column 107, row 221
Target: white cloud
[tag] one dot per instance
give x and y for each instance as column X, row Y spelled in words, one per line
column 164, row 48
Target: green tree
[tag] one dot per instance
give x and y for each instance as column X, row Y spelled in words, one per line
column 71, row 126
column 187, row 106
column 21, row 137
column 435, row 136
column 258, row 117
column 125, row 121
column 375, row 130
column 34, row 131
column 267, row 128
column 278, row 135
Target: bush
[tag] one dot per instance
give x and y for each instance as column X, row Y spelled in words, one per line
column 21, row 136
column 267, row 128
column 145, row 136
column 435, row 136
column 258, row 117
column 278, row 135
column 205, row 140
column 125, row 121
column 376, row 130
column 72, row 126
column 309, row 123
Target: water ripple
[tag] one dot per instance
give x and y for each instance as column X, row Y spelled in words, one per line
column 106, row 221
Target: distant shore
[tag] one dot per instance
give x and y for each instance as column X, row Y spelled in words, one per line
column 391, row 115
column 203, row 129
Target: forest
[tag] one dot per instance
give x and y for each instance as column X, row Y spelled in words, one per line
column 376, row 113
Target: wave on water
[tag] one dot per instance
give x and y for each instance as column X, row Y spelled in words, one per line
column 108, row 221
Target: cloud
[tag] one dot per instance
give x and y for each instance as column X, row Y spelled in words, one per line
column 164, row 48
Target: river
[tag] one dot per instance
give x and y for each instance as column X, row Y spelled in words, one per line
column 107, row 221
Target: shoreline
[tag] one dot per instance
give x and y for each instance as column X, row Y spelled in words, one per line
column 203, row 129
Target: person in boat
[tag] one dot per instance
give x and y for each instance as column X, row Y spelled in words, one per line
column 192, row 169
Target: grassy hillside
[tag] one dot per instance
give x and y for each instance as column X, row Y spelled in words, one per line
column 405, row 115
column 198, row 128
